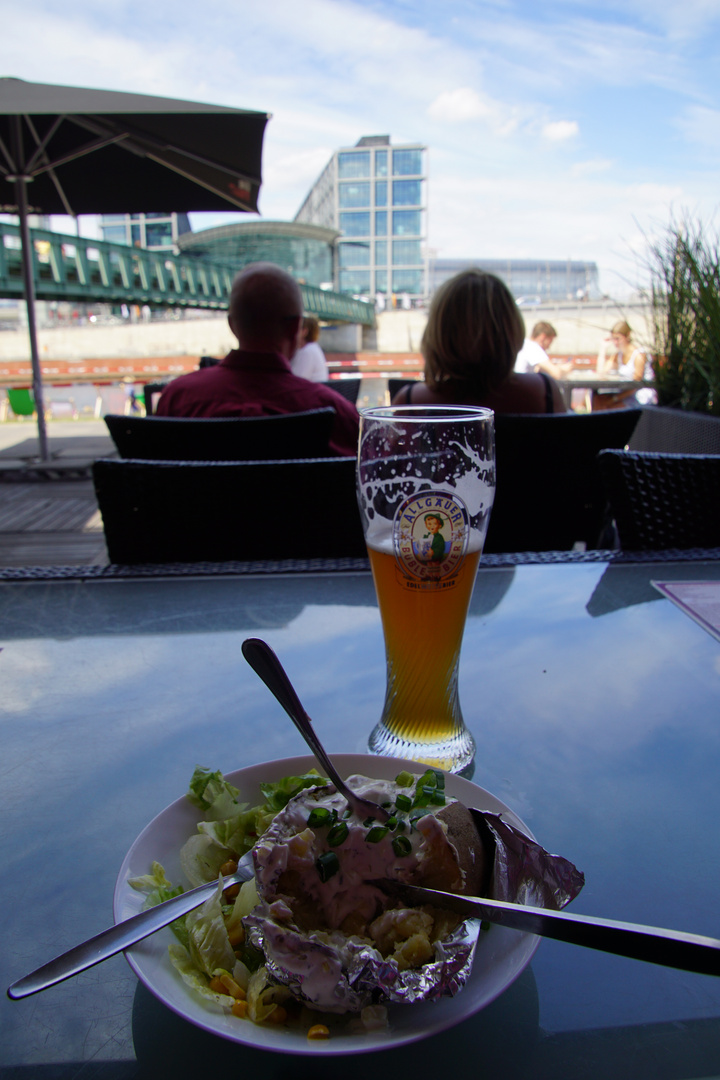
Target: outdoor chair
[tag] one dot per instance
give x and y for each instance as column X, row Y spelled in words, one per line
column 661, row 501
column 21, row 402
column 550, row 496
column 676, row 431
column 233, row 438
column 397, row 384
column 151, row 393
column 349, row 388
column 191, row 511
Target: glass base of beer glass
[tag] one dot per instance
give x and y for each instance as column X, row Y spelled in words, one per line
column 455, row 754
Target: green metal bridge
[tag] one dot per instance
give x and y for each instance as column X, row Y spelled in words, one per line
column 77, row 269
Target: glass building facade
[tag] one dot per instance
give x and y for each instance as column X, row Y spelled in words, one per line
column 157, row 232
column 530, row 280
column 375, row 195
column 305, row 251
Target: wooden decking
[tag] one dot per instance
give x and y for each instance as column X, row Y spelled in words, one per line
column 49, row 516
column 50, row 523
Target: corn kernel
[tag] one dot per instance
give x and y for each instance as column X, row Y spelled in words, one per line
column 318, row 1031
column 240, row 1009
column 217, row 985
column 237, row 936
column 277, row 1016
column 233, row 988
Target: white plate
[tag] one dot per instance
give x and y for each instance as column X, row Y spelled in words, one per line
column 500, row 957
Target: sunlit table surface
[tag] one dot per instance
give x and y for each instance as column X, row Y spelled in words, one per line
column 595, row 704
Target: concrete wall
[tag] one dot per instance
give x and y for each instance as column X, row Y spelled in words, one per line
column 581, row 329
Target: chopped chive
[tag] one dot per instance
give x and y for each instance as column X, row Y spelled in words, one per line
column 376, row 834
column 368, row 822
column 438, row 798
column 327, row 865
column 403, row 802
column 401, row 846
column 401, row 826
column 319, row 815
column 337, row 834
column 404, row 779
column 391, row 822
column 440, row 779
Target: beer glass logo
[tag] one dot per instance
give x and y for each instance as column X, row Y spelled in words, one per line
column 430, row 538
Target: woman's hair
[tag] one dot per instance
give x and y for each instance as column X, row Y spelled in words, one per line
column 311, row 324
column 622, row 328
column 473, row 335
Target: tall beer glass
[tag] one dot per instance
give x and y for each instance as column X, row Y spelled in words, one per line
column 426, row 483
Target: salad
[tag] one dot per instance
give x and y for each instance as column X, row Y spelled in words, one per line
column 224, row 949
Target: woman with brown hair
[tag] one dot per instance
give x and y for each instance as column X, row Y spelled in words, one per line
column 472, row 337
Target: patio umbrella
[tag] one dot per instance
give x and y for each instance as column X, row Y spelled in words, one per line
column 68, row 150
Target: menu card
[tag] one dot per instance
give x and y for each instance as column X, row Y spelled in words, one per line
column 698, row 599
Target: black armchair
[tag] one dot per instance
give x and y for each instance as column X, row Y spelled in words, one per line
column 194, row 511
column 234, row 438
column 661, row 501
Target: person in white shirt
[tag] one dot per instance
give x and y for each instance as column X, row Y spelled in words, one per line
column 309, row 361
column 534, row 357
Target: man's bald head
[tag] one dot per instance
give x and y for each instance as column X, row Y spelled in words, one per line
column 265, row 309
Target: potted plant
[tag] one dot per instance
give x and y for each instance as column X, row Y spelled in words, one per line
column 685, row 280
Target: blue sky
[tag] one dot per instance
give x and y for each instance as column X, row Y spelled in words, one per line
column 562, row 129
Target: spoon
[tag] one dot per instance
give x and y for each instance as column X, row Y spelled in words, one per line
column 265, row 663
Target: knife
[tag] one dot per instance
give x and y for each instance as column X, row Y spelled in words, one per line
column 124, row 934
column 671, row 948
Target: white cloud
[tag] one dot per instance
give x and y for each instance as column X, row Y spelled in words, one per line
column 560, row 130
column 458, row 106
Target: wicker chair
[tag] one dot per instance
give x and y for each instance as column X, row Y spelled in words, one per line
column 223, row 511
column 549, row 492
column 232, row 438
column 663, row 501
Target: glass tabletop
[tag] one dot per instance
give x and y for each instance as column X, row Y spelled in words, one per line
column 594, row 704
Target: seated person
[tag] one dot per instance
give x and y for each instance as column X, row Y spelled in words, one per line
column 620, row 356
column 534, row 354
column 309, row 361
column 264, row 314
column 472, row 337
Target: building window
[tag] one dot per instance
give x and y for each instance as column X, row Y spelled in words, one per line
column 381, row 223
column 355, row 281
column 353, row 255
column 381, row 193
column 407, row 192
column 158, row 235
column 115, row 234
column 136, row 235
column 406, row 252
column 355, row 224
column 381, row 281
column 407, row 162
column 409, row 281
column 354, row 195
column 381, row 252
column 381, row 162
column 406, row 223
column 353, row 165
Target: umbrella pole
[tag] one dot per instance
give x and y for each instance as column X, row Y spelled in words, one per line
column 27, row 263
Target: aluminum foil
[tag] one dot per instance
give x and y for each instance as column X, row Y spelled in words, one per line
column 332, row 972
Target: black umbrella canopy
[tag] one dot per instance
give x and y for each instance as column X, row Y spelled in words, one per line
column 103, row 151
column 68, row 150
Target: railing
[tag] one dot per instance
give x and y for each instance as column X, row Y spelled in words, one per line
column 75, row 268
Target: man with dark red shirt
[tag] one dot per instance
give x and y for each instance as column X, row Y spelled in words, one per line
column 264, row 314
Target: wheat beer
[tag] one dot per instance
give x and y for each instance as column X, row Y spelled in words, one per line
column 426, row 484
column 423, row 629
